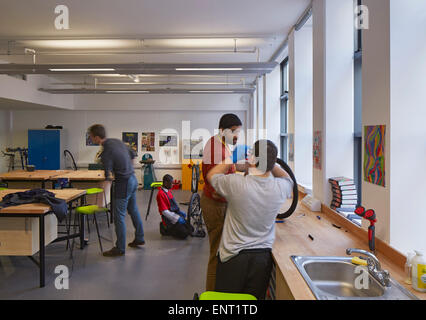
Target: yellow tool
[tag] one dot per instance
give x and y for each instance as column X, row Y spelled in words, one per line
column 359, row 261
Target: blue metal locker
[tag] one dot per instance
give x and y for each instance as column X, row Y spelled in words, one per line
column 44, row 149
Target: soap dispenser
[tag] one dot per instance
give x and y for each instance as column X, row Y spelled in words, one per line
column 418, row 272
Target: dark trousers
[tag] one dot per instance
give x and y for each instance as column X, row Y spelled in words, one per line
column 178, row 230
column 247, row 272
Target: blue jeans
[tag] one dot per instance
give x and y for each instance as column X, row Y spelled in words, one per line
column 127, row 204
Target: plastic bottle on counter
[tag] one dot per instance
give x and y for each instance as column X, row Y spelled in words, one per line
column 408, row 267
column 418, row 272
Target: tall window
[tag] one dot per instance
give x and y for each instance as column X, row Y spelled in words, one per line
column 284, row 109
column 358, row 108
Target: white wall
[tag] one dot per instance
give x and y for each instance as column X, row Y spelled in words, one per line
column 407, row 123
column 303, row 106
column 319, row 183
column 27, row 91
column 375, row 105
column 75, row 124
column 333, row 23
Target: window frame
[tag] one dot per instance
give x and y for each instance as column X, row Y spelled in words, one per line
column 284, row 79
column 358, row 109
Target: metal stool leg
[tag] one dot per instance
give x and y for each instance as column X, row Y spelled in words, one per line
column 97, row 230
column 149, row 203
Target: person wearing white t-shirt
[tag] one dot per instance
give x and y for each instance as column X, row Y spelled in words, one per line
column 254, row 200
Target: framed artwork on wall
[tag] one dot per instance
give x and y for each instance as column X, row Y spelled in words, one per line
column 374, row 154
column 148, row 141
column 131, row 139
column 317, row 150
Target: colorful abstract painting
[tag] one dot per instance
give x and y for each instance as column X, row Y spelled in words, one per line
column 317, row 146
column 374, row 154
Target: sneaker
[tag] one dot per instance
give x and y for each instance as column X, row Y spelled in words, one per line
column 114, row 252
column 135, row 243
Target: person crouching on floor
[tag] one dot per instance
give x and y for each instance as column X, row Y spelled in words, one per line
column 173, row 220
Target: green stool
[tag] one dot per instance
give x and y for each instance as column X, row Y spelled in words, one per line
column 97, row 191
column 92, row 210
column 214, row 295
column 154, row 185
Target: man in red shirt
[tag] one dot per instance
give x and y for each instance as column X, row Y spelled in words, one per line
column 212, row 204
column 173, row 220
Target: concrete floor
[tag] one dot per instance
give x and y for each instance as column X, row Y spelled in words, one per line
column 165, row 268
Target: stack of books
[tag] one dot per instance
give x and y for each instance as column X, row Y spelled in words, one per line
column 345, row 196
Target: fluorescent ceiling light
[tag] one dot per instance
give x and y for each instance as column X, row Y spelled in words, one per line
column 211, row 91
column 126, row 91
column 81, row 69
column 209, row 69
column 70, row 44
column 168, row 83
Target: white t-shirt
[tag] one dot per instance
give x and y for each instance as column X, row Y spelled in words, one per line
column 253, row 205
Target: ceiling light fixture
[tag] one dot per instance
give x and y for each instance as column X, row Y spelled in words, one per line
column 127, row 91
column 211, row 91
column 81, row 69
column 209, row 69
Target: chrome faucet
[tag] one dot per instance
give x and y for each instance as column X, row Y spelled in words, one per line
column 374, row 266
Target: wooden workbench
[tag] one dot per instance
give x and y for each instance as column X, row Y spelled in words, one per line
column 292, row 239
column 19, row 230
column 82, row 175
column 29, row 179
column 39, row 208
column 85, row 179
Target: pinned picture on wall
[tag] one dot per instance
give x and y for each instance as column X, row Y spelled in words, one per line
column 131, row 139
column 167, row 141
column 317, row 147
column 89, row 141
column 374, row 154
column 193, row 149
column 291, row 147
column 148, row 141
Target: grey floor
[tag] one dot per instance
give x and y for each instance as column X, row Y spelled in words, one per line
column 165, row 268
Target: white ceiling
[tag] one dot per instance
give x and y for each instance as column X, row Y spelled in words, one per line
column 156, row 18
column 161, row 24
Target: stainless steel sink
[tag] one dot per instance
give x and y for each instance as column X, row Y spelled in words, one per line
column 335, row 278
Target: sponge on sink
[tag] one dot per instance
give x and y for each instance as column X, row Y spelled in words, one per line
column 359, row 261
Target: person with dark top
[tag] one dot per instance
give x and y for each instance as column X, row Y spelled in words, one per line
column 173, row 220
column 117, row 160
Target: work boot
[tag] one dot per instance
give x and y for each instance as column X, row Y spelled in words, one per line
column 135, row 243
column 114, row 252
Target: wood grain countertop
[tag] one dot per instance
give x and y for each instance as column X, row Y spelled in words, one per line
column 292, row 238
column 83, row 175
column 39, row 208
column 31, row 175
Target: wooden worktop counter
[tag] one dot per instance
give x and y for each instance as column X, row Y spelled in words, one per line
column 31, row 175
column 292, row 239
column 39, row 208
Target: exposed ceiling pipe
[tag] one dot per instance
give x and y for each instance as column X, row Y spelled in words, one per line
column 299, row 24
column 85, row 53
column 147, row 91
column 32, row 52
column 153, row 37
column 148, row 83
